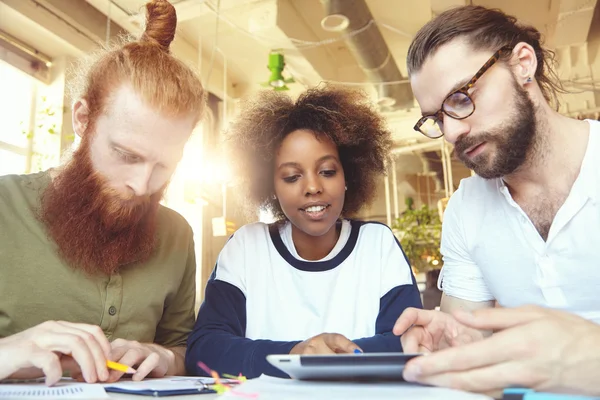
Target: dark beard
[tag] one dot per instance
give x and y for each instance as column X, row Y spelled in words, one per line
column 514, row 141
column 95, row 228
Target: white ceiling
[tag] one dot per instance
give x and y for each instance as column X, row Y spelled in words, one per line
column 249, row 29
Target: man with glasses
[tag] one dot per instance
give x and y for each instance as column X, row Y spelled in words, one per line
column 525, row 229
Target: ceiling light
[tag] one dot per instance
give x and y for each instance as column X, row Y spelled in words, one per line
column 335, row 23
column 276, row 66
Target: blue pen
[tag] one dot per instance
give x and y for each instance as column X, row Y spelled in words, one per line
column 357, row 351
column 530, row 394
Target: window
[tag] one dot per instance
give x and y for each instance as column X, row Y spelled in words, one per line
column 183, row 196
column 17, row 102
column 12, row 162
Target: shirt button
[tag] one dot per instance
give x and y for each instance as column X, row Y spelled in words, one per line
column 112, row 310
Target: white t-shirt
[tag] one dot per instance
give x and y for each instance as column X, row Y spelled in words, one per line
column 492, row 250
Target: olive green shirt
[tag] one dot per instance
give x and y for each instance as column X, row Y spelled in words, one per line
column 149, row 302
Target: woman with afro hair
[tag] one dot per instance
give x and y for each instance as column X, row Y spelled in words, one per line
column 316, row 281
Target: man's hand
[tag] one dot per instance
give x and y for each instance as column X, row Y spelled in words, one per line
column 53, row 346
column 325, row 343
column 426, row 331
column 538, row 348
column 148, row 359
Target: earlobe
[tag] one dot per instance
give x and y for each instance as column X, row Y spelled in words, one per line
column 81, row 117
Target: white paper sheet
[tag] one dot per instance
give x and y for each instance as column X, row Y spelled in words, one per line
column 269, row 388
column 62, row 390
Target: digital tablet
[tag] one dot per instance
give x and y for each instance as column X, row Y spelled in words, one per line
column 369, row 366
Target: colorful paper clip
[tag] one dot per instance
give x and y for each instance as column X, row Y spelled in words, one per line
column 221, row 387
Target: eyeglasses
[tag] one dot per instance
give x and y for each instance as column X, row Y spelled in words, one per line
column 457, row 105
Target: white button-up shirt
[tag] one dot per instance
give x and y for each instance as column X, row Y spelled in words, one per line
column 492, row 250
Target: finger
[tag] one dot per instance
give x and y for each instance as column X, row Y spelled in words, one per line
column 68, row 338
column 131, row 358
column 414, row 339
column 498, row 318
column 68, row 343
column 487, row 379
column 322, row 349
column 496, row 349
column 114, row 376
column 96, row 331
column 412, row 316
column 317, row 346
column 340, row 343
column 97, row 343
column 118, row 351
column 149, row 365
column 120, row 348
column 49, row 363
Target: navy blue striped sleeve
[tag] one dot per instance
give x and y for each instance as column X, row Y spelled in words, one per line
column 391, row 306
column 219, row 341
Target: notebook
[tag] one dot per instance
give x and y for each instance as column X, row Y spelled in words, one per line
column 169, row 386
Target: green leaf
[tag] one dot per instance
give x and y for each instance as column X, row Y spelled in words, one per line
column 419, row 233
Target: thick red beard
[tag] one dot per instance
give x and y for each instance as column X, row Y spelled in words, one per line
column 96, row 229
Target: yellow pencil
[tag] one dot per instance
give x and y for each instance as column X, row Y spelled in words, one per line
column 120, row 367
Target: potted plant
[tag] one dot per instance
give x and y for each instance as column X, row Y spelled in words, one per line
column 419, row 232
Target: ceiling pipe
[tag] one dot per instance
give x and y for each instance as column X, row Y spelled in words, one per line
column 366, row 43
